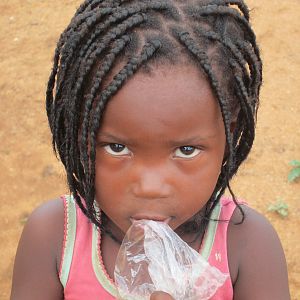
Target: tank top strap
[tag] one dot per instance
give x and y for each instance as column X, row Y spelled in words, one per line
column 217, row 238
column 81, row 272
column 218, row 255
column 69, row 238
column 217, row 226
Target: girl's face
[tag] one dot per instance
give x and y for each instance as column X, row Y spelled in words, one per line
column 160, row 148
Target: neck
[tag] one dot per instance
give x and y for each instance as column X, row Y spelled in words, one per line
column 112, row 236
column 111, row 230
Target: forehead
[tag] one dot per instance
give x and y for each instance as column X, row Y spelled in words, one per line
column 168, row 98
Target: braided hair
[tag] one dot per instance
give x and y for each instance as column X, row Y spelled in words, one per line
column 117, row 38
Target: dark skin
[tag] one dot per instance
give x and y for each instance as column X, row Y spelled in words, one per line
column 157, row 157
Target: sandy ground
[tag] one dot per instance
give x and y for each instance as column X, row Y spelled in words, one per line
column 30, row 174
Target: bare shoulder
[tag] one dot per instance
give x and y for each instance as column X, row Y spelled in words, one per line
column 256, row 258
column 38, row 255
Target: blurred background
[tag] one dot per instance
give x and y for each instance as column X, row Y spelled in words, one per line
column 30, row 174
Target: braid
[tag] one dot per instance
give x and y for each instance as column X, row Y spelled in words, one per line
column 246, row 106
column 199, row 13
column 226, row 42
column 132, row 36
column 255, row 68
column 88, row 62
column 248, row 135
column 240, row 4
column 101, row 73
column 120, row 14
column 71, row 45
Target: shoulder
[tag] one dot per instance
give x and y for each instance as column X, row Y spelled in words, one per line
column 50, row 212
column 255, row 251
column 47, row 223
column 38, row 255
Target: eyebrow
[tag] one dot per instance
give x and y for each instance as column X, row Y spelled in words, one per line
column 193, row 139
column 187, row 141
column 104, row 135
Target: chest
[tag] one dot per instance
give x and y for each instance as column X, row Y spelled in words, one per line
column 89, row 259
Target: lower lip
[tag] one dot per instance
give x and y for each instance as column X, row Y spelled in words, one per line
column 156, row 219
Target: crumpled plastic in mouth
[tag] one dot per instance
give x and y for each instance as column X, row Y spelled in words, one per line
column 153, row 257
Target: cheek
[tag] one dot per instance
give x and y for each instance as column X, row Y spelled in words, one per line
column 202, row 183
column 198, row 183
column 111, row 180
column 193, row 197
column 103, row 178
column 203, row 173
column 108, row 195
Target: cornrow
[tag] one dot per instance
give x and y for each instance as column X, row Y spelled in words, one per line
column 226, row 43
column 117, row 16
column 116, row 39
column 212, row 9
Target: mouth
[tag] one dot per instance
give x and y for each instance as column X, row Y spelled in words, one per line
column 156, row 218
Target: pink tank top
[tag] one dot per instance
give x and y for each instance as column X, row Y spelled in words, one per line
column 82, row 272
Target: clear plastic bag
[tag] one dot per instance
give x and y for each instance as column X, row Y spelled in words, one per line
column 153, row 258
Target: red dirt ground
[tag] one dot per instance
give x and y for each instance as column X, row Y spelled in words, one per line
column 30, row 174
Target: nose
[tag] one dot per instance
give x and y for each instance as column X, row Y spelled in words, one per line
column 151, row 184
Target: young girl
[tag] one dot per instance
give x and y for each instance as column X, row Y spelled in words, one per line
column 152, row 106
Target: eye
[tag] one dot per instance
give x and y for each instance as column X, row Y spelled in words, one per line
column 116, row 149
column 187, row 152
